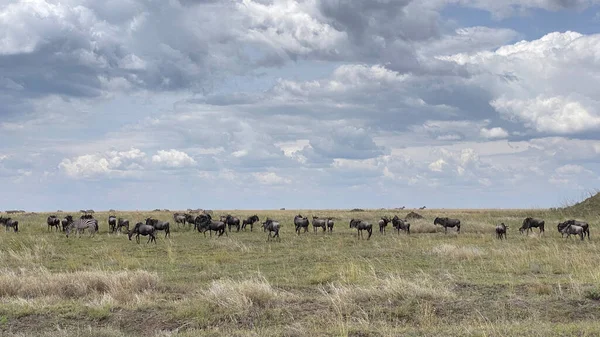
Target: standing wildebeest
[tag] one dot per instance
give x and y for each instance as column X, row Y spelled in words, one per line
column 190, row 219
column 179, row 218
column 66, row 221
column 360, row 226
column 383, row 224
column 530, row 223
column 204, row 222
column 122, row 223
column 300, row 222
column 141, row 229
column 112, row 223
column 250, row 221
column 230, row 220
column 53, row 221
column 447, row 222
column 401, row 224
column 501, row 231
column 330, row 224
column 80, row 225
column 159, row 226
column 319, row 223
column 273, row 227
column 9, row 223
column 584, row 225
column 422, row 207
column 570, row 228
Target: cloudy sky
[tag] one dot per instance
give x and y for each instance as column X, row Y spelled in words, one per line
column 255, row 104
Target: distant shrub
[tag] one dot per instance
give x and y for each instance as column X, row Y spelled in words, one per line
column 357, row 210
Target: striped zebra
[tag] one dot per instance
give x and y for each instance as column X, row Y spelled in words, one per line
column 80, row 225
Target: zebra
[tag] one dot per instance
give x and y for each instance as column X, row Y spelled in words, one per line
column 80, row 225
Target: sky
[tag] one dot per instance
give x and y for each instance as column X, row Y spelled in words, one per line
column 262, row 104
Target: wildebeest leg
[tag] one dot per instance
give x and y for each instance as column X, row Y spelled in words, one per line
column 445, row 230
column 370, row 232
column 458, row 229
column 137, row 238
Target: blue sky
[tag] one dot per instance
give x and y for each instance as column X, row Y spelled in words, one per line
column 248, row 104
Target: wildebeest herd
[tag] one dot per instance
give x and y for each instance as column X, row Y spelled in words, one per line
column 204, row 223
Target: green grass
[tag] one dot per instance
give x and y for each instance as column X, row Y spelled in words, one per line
column 425, row 284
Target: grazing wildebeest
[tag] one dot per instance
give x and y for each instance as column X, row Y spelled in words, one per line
column 360, row 226
column 179, row 218
column 141, row 229
column 9, row 223
column 53, row 221
column 250, row 221
column 570, row 228
column 330, row 224
column 582, row 224
column 160, row 226
column 319, row 223
column 273, row 227
column 66, row 221
column 80, row 225
column 112, row 223
column 190, row 219
column 204, row 222
column 122, row 223
column 401, row 224
column 447, row 222
column 230, row 220
column 530, row 223
column 383, row 224
column 422, row 207
column 501, row 231
column 300, row 222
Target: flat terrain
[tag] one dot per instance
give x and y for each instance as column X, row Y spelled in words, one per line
column 425, row 284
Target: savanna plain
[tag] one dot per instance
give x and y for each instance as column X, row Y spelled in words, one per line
column 315, row 284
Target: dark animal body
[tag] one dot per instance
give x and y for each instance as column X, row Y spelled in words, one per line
column 401, row 224
column 383, row 224
column 300, row 222
column 361, row 226
column 112, row 223
column 160, row 226
column 204, row 222
column 122, row 223
column 447, row 222
column 319, row 223
column 501, row 231
column 272, row 226
column 230, row 221
column 250, row 221
column 584, row 226
column 530, row 223
column 145, row 230
column 53, row 221
column 9, row 223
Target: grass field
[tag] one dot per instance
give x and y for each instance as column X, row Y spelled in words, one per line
column 425, row 284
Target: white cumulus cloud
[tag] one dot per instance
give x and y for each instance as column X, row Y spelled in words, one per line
column 173, row 159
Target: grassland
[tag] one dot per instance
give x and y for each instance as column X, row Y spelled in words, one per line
column 425, row 284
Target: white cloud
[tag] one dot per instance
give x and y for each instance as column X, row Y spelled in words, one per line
column 173, row 159
column 493, row 133
column 270, row 178
column 438, row 165
column 112, row 163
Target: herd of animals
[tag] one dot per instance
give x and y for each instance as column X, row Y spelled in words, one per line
column 204, row 223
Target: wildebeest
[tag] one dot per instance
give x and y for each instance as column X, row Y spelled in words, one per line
column 80, row 225
column 9, row 223
column 401, row 224
column 360, row 226
column 530, row 223
column 319, row 223
column 330, row 224
column 422, row 207
column 570, row 228
column 584, row 225
column 250, row 221
column 142, row 229
column 53, row 221
column 179, row 218
column 447, row 222
column 122, row 223
column 272, row 226
column 160, row 226
column 190, row 219
column 204, row 222
column 86, row 216
column 230, row 220
column 66, row 221
column 383, row 224
column 112, row 223
column 300, row 222
column 501, row 231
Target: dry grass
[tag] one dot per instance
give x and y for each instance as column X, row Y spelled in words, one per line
column 455, row 252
